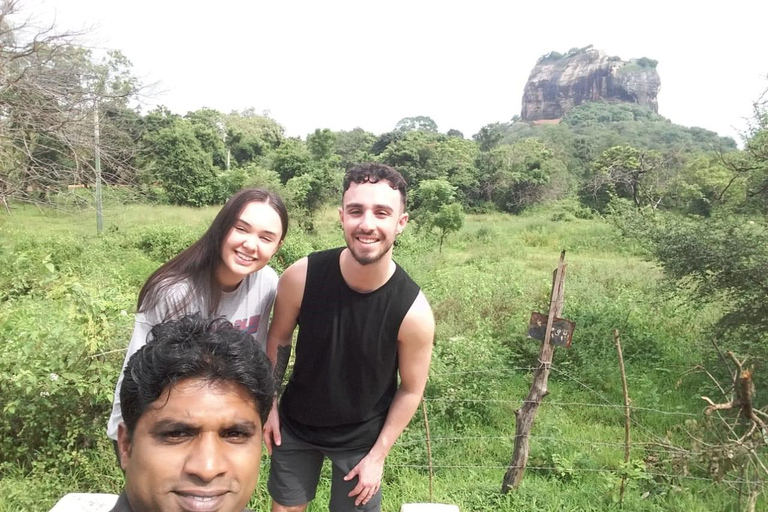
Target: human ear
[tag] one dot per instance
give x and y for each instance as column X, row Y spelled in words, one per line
column 123, row 445
column 402, row 222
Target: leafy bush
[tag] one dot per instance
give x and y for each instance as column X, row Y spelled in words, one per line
column 295, row 246
column 161, row 242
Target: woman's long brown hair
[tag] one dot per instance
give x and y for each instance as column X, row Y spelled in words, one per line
column 196, row 266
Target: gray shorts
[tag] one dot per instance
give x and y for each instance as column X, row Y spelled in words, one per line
column 295, row 471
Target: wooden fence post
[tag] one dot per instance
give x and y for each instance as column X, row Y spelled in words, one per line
column 627, row 438
column 526, row 414
column 429, row 449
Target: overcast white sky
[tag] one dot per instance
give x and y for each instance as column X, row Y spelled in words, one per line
column 341, row 64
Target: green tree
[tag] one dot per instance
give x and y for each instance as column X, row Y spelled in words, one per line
column 414, row 155
column 416, row 124
column 750, row 167
column 385, row 140
column 516, row 176
column 702, row 184
column 490, row 136
column 50, row 90
column 354, row 147
column 449, row 219
column 435, row 206
column 627, row 172
column 321, row 144
column 251, row 137
column 185, row 170
column 291, row 159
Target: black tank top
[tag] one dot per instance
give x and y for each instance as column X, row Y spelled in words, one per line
column 345, row 370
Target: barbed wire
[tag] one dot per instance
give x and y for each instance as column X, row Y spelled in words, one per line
column 573, row 470
column 489, row 370
column 646, row 446
column 561, row 404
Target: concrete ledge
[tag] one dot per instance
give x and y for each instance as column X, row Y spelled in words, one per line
column 85, row 502
column 428, row 507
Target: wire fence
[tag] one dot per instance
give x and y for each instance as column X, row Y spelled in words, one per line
column 660, row 458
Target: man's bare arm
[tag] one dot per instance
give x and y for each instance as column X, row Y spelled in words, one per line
column 415, row 341
column 290, row 291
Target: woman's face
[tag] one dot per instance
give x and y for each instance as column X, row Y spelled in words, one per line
column 250, row 244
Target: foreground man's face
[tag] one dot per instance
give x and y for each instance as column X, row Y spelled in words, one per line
column 197, row 448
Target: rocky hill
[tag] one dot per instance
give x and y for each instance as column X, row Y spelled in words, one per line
column 560, row 82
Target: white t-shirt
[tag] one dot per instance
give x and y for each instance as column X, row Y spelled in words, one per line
column 247, row 308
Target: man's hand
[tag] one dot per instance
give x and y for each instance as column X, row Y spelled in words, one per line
column 368, row 472
column 272, row 428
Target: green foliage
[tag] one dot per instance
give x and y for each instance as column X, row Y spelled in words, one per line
column 182, row 166
column 723, row 259
column 354, row 147
column 418, row 123
column 626, row 172
column 550, row 57
column 434, row 207
column 311, row 174
column 702, row 184
column 448, row 219
column 554, row 57
column 516, row 176
column 162, row 242
column 66, row 315
column 646, row 63
column 54, row 380
column 321, row 144
column 421, row 156
column 599, row 112
column 291, row 159
column 251, row 137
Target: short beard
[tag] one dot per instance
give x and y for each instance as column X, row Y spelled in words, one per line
column 365, row 261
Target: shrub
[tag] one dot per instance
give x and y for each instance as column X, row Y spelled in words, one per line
column 161, row 242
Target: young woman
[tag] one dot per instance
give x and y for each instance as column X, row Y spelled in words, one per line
column 222, row 274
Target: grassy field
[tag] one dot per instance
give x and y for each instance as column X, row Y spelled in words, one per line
column 67, row 298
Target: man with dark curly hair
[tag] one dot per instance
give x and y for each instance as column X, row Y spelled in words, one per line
column 193, row 401
column 362, row 323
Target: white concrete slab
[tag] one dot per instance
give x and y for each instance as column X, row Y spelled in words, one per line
column 85, row 502
column 428, row 507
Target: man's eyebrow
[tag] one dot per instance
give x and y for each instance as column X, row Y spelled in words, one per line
column 375, row 207
column 245, row 425
column 164, row 425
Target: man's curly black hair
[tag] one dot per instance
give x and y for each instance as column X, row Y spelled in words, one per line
column 372, row 172
column 194, row 347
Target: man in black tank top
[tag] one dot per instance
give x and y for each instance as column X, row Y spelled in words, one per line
column 362, row 321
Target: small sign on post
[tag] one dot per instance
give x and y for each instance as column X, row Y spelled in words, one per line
column 561, row 334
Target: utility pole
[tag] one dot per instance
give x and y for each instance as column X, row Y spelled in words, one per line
column 97, row 155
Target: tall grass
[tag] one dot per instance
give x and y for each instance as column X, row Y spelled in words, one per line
column 55, row 271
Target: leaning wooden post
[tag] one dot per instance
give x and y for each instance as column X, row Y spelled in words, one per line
column 526, row 414
column 627, row 438
column 429, row 450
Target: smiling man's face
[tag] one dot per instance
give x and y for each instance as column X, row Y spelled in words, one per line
column 196, row 448
column 372, row 216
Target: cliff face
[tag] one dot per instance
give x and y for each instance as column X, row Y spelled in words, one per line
column 560, row 82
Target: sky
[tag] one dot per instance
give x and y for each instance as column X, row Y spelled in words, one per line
column 343, row 64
